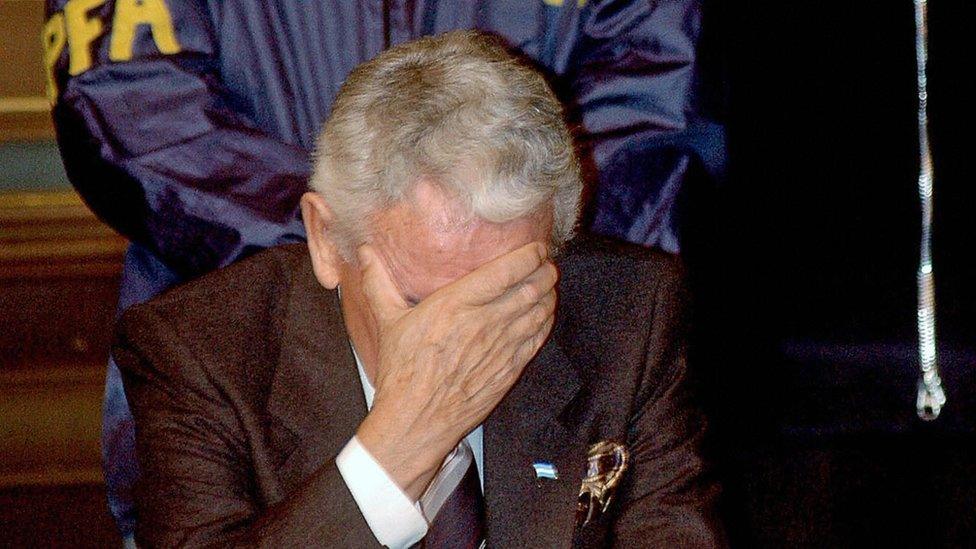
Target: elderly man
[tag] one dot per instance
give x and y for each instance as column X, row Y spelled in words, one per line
column 408, row 377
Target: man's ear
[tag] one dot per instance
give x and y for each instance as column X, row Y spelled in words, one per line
column 319, row 224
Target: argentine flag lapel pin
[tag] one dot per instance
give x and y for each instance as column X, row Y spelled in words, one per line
column 544, row 469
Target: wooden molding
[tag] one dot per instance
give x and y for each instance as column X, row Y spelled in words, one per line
column 31, row 103
column 50, row 426
column 51, row 234
column 25, row 119
column 26, row 126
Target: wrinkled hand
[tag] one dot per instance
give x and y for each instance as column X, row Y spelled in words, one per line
column 445, row 364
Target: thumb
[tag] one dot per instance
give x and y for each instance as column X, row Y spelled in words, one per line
column 384, row 299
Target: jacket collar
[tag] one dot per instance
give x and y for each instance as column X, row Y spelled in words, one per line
column 315, row 395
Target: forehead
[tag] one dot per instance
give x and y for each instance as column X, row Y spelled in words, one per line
column 429, row 240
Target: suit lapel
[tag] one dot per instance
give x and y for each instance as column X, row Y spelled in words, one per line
column 316, row 404
column 537, row 421
column 316, row 400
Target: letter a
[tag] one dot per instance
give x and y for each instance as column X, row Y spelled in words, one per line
column 129, row 14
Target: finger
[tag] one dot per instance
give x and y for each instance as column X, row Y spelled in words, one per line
column 527, row 293
column 496, row 277
column 528, row 324
column 522, row 339
column 512, row 334
column 527, row 350
column 384, row 299
column 534, row 317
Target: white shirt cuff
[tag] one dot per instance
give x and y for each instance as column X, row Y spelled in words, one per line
column 394, row 519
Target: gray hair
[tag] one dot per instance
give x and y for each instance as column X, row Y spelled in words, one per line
column 456, row 109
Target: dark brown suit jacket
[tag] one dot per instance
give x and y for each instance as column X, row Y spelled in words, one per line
column 244, row 389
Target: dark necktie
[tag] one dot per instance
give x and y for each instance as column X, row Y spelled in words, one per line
column 460, row 522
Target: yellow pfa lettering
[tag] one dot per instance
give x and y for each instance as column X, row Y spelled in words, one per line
column 53, row 38
column 82, row 31
column 76, row 27
column 130, row 14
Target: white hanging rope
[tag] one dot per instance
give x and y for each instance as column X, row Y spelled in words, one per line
column 931, row 397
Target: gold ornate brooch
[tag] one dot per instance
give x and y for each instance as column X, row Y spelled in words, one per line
column 606, row 462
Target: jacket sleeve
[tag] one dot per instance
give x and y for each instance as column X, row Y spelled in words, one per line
column 150, row 138
column 669, row 498
column 197, row 486
column 633, row 95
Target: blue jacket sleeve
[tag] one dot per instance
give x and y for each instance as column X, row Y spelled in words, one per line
column 150, row 138
column 632, row 84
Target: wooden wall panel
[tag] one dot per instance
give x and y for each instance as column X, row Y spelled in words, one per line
column 59, row 278
column 24, row 108
column 51, row 420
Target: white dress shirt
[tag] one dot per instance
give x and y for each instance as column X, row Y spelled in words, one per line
column 394, row 519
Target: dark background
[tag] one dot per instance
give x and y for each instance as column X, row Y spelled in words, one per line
column 804, row 261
